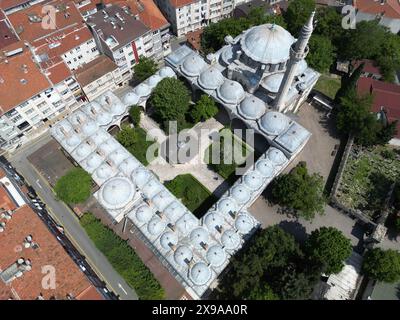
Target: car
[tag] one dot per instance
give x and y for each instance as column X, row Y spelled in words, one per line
column 82, row 268
column 105, row 290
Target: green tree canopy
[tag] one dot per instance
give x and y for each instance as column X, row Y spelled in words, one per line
column 127, row 136
column 329, row 247
column 349, row 83
column 382, row 265
column 300, row 191
column 74, row 187
column 134, row 113
column 297, row 14
column 321, row 53
column 170, row 100
column 144, row 68
column 204, row 109
column 329, row 24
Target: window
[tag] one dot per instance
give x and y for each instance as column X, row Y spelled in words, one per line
column 29, row 111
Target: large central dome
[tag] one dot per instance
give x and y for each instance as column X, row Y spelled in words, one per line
column 268, row 43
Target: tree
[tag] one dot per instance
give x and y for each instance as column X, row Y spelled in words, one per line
column 382, row 265
column 263, row 292
column 204, row 109
column 74, row 187
column 297, row 14
column 321, row 53
column 127, row 136
column 349, row 83
column 300, row 191
column 170, row 100
column 329, row 24
column 144, row 68
column 134, row 113
column 329, row 247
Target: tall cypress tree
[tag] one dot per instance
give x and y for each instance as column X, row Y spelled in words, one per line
column 349, row 83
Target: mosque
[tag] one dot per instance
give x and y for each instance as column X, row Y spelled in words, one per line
column 257, row 77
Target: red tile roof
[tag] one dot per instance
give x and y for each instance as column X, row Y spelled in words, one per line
column 370, row 66
column 180, row 3
column 58, row 72
column 194, row 39
column 386, row 95
column 94, row 70
column 7, row 37
column 389, row 8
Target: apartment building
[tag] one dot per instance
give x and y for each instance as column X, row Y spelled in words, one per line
column 190, row 15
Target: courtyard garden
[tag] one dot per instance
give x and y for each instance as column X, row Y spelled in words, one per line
column 328, row 85
column 192, row 193
column 123, row 259
column 367, row 178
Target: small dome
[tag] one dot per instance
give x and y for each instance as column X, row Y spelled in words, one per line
column 142, row 90
column 106, row 148
column 117, row 109
column 104, row 118
column 230, row 240
column 252, row 108
column 83, row 151
column 213, row 221
column 200, row 274
column 231, row 92
column 244, row 223
column 78, row 118
column 268, row 44
column 130, row 99
column 265, row 168
column 153, row 81
column 228, row 55
column 144, row 213
column 162, row 200
column 199, row 236
column 99, row 137
column 156, row 226
column 186, row 223
column 253, row 180
column 140, row 176
column 216, row 256
column 211, row 79
column 152, row 187
column 273, row 82
column 240, row 193
column 128, row 165
column 116, row 193
column 276, row 156
column 92, row 109
column 227, row 205
column 63, row 128
column 118, row 156
column 182, row 256
column 104, row 172
column 92, row 162
column 73, row 141
column 193, row 65
column 174, row 211
column 89, row 128
column 166, row 72
column 274, row 123
column 168, row 239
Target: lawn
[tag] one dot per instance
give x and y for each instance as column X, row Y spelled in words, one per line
column 328, row 85
column 192, row 193
column 225, row 155
column 123, row 259
column 367, row 178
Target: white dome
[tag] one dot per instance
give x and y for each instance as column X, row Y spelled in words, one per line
column 252, row 108
column 99, row 137
column 140, row 176
column 116, row 193
column 273, row 82
column 63, row 128
column 156, row 226
column 274, row 123
column 230, row 240
column 216, row 256
column 130, row 99
column 200, row 273
column 244, row 223
column 144, row 213
column 167, row 239
column 227, row 205
column 276, row 156
column 213, row 221
column 92, row 109
column 193, row 65
column 186, row 223
column 211, row 79
column 268, row 44
column 73, row 141
column 153, row 81
column 166, row 72
column 104, row 172
column 228, row 55
column 265, row 168
column 253, row 180
column 128, row 165
column 104, row 118
column 162, row 200
column 183, row 255
column 117, row 109
column 78, row 118
column 89, row 128
column 174, row 211
column 118, row 156
column 240, row 193
column 83, row 150
column 92, row 162
column 152, row 187
column 108, row 147
column 199, row 236
column 142, row 90
column 231, row 92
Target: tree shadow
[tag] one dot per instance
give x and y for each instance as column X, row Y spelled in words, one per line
column 358, row 232
column 295, row 228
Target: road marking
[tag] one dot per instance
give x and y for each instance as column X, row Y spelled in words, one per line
column 37, row 182
column 122, row 288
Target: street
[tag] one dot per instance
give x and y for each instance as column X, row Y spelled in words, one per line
column 67, row 219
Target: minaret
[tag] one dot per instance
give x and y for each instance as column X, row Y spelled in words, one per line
column 298, row 52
